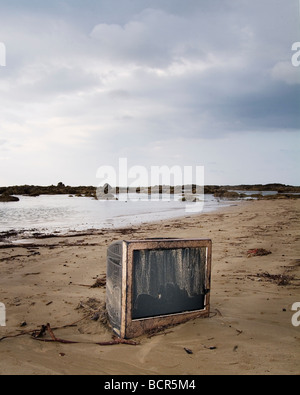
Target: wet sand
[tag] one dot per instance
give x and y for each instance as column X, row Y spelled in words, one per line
column 249, row 331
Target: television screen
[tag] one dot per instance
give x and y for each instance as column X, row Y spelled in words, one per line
column 157, row 283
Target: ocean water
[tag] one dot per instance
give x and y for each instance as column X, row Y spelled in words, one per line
column 63, row 214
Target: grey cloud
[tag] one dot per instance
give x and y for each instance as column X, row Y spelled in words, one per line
column 276, row 108
column 155, row 38
column 65, row 80
column 125, row 74
column 38, row 86
column 119, row 94
column 152, row 38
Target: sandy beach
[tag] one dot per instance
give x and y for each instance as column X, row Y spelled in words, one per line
column 249, row 331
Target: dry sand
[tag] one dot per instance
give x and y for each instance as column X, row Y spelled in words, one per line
column 249, row 331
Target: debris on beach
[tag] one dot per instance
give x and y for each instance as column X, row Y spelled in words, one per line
column 210, row 347
column 100, row 282
column 258, row 252
column 96, row 309
column 44, row 330
column 279, row 279
column 40, row 335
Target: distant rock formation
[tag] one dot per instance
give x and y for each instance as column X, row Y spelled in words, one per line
column 227, row 195
column 105, row 193
column 108, row 193
column 8, row 198
column 190, row 199
column 59, row 189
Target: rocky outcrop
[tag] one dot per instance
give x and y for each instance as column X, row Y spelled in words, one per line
column 59, row 189
column 190, row 199
column 8, row 198
column 105, row 193
column 227, row 195
column 225, row 191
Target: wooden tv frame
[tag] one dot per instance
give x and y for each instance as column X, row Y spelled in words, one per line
column 131, row 328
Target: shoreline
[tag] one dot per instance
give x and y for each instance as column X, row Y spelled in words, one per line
column 69, row 222
column 249, row 331
column 13, row 235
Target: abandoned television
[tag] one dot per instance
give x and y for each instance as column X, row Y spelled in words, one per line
column 157, row 283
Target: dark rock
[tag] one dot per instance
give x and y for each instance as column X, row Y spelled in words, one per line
column 60, row 189
column 190, row 198
column 107, row 188
column 106, row 193
column 7, row 198
column 227, row 195
column 211, row 189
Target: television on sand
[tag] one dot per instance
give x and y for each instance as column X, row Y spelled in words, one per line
column 157, row 283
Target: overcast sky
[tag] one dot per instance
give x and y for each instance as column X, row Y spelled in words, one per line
column 160, row 82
